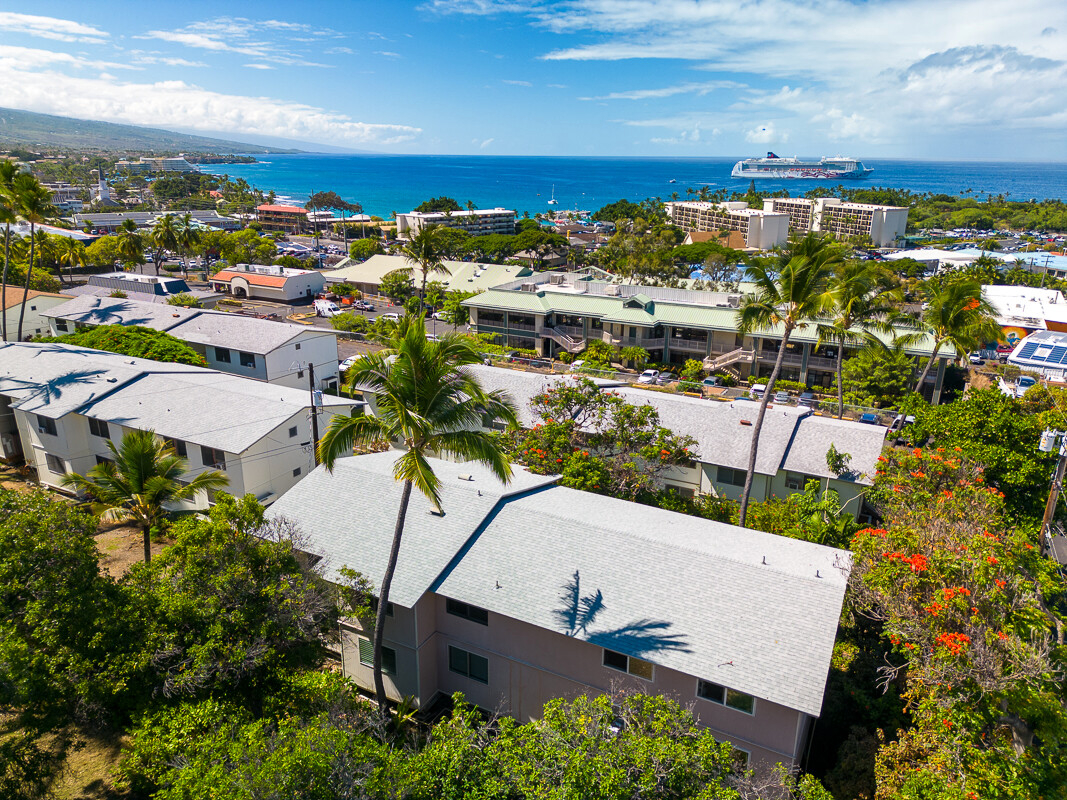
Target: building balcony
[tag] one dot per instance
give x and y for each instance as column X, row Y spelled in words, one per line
column 522, row 326
column 695, row 345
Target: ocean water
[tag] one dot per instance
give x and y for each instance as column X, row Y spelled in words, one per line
column 383, row 184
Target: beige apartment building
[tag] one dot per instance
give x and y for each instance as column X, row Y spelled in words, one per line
column 493, row 590
column 476, row 222
column 762, row 230
column 883, row 225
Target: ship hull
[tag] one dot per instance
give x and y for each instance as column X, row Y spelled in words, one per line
column 801, row 174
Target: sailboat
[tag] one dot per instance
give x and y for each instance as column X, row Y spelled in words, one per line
column 553, row 201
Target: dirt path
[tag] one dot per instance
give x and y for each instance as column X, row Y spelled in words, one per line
column 122, row 546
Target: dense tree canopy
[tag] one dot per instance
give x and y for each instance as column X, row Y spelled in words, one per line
column 441, row 203
column 133, row 340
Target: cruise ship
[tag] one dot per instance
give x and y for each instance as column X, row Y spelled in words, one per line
column 773, row 166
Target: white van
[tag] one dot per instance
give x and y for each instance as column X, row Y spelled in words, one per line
column 326, row 308
column 758, row 390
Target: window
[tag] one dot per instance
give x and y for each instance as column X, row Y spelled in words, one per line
column 731, row 698
column 468, row 664
column 101, row 460
column 55, row 464
column 473, row 613
column 46, row 425
column 625, row 663
column 296, row 472
column 247, row 359
column 178, row 446
column 61, row 325
column 731, row 477
column 366, row 656
column 97, row 427
column 374, row 607
column 292, row 432
column 297, row 346
column 796, row 482
column 213, row 458
column 300, row 373
column 222, row 355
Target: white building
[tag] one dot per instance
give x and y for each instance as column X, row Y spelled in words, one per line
column 65, row 197
column 477, row 222
column 269, row 282
column 884, row 225
column 762, row 230
column 262, row 349
column 33, row 320
column 142, row 288
column 151, row 165
column 60, row 405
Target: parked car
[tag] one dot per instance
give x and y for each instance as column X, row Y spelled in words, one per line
column 439, row 316
column 712, row 380
column 869, row 419
column 326, row 308
column 976, row 358
column 362, row 305
column 347, row 363
column 392, row 317
column 781, row 397
column 666, row 377
column 1004, row 350
column 900, row 421
column 806, row 400
column 758, row 390
column 648, row 376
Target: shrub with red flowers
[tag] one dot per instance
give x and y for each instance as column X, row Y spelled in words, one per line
column 968, row 608
column 597, row 441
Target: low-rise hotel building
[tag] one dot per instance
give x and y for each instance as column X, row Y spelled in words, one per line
column 476, row 222
column 147, row 166
column 556, row 312
column 883, row 225
column 285, row 219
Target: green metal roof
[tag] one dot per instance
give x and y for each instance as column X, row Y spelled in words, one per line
column 658, row 312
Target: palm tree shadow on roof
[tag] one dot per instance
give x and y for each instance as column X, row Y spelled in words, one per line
column 577, row 614
column 47, row 391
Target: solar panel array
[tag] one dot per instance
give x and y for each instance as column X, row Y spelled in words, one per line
column 1042, row 353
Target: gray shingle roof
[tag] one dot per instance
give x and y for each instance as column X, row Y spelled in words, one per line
column 746, row 609
column 194, row 325
column 142, row 296
column 791, row 438
column 197, row 405
column 349, row 516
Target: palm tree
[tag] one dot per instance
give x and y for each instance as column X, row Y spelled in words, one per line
column 8, row 214
column 188, row 237
column 792, row 298
column 34, row 205
column 131, row 243
column 48, row 253
column 70, row 253
column 163, row 237
column 956, row 315
column 144, row 476
column 431, row 406
column 865, row 298
column 425, row 251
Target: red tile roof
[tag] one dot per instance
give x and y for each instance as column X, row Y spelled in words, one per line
column 283, row 209
column 253, row 278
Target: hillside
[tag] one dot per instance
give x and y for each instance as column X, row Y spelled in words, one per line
column 26, row 128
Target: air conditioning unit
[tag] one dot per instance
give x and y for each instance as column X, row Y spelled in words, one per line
column 556, row 278
column 612, row 290
column 734, row 301
column 528, row 287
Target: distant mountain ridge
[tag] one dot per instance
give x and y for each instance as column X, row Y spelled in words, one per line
column 28, row 129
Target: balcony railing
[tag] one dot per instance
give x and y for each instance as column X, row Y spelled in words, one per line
column 521, row 326
column 797, row 359
column 680, row 343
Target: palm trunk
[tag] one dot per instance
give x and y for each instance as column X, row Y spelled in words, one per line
column 3, row 284
column 926, row 369
column 26, row 286
column 840, row 386
column 147, row 531
column 383, row 602
column 759, row 424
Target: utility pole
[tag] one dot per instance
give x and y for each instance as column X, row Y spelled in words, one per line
column 1048, row 444
column 314, row 414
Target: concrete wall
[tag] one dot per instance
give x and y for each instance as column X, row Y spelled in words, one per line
column 530, row 666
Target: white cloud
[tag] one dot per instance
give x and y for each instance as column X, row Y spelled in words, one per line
column 517, row 83
column 167, row 60
column 32, row 58
column 256, row 38
column 387, row 53
column 258, row 66
column 479, row 7
column 485, row 143
column 60, row 30
column 766, row 134
column 333, row 51
column 699, row 89
column 169, row 104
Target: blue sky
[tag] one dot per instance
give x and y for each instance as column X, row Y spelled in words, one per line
column 941, row 79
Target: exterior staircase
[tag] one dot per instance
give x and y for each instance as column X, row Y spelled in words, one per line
column 724, row 361
column 563, row 340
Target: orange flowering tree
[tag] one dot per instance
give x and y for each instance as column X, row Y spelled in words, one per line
column 972, row 614
column 597, row 441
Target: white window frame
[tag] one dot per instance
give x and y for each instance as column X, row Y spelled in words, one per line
column 49, row 458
